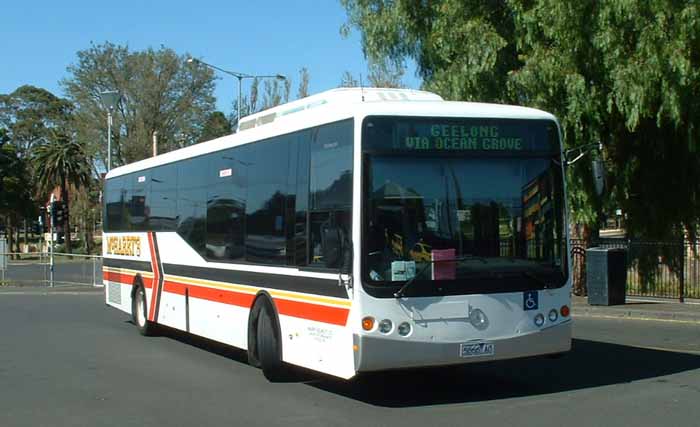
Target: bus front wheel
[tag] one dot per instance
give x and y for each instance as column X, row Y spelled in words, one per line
column 139, row 312
column 269, row 348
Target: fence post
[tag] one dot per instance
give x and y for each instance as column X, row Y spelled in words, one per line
column 681, row 291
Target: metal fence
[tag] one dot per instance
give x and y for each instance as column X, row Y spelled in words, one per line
column 35, row 269
column 654, row 268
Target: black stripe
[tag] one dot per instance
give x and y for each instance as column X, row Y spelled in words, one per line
column 159, row 285
column 127, row 263
column 307, row 285
column 187, row 309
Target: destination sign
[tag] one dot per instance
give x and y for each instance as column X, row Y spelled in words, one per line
column 460, row 135
column 456, row 137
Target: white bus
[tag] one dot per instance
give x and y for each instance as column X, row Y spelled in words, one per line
column 352, row 231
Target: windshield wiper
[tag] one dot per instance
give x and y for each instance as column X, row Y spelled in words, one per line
column 400, row 292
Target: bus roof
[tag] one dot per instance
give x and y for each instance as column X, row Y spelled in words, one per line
column 335, row 105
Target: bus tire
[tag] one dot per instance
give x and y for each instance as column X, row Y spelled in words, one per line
column 139, row 312
column 253, row 359
column 269, row 344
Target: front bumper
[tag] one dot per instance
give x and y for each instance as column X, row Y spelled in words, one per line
column 375, row 353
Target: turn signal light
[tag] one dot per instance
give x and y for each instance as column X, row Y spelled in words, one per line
column 368, row 323
column 564, row 310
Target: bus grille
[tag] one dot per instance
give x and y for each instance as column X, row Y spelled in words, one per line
column 114, row 293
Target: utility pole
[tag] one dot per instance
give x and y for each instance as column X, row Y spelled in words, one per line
column 50, row 209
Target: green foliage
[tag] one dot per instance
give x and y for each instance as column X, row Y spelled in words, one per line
column 15, row 189
column 63, row 163
column 624, row 72
column 30, row 114
column 159, row 92
column 385, row 74
column 217, row 125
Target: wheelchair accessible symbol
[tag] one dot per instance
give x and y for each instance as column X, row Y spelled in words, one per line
column 530, row 300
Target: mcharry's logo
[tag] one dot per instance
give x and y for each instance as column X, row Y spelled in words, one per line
column 124, row 245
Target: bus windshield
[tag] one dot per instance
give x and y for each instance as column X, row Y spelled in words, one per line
column 462, row 206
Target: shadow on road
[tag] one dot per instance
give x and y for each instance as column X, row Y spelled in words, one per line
column 589, row 364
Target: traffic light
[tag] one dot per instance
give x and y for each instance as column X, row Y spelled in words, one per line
column 58, row 212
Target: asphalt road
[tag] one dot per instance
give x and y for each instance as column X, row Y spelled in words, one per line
column 68, row 360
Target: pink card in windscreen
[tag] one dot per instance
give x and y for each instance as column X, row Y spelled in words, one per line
column 445, row 270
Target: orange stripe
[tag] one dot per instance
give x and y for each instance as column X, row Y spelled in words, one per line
column 126, row 278
column 302, row 310
column 305, row 310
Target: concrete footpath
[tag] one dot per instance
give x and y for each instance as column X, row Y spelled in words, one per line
column 640, row 309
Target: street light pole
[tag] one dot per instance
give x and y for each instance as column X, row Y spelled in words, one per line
column 109, row 140
column 110, row 98
column 240, row 77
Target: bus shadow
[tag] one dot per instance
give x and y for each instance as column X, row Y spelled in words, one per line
column 589, row 364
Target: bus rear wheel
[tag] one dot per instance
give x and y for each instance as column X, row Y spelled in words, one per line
column 269, row 348
column 139, row 313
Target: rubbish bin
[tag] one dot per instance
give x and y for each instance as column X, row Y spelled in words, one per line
column 606, row 275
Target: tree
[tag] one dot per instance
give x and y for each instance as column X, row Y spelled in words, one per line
column 347, row 80
column 159, row 92
column 276, row 93
column 626, row 73
column 385, row 73
column 30, row 114
column 63, row 163
column 303, row 90
column 217, row 125
column 15, row 190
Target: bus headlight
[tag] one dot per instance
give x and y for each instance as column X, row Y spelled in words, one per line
column 478, row 319
column 539, row 319
column 553, row 315
column 385, row 326
column 404, row 329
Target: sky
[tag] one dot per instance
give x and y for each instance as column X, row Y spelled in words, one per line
column 39, row 39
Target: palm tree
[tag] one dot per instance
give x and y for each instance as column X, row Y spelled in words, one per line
column 62, row 162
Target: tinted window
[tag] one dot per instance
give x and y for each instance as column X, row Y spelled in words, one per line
column 330, row 184
column 114, row 204
column 137, row 184
column 227, row 190
column 192, row 202
column 163, row 199
column 265, row 227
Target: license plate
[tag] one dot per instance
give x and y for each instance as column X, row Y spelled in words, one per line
column 473, row 349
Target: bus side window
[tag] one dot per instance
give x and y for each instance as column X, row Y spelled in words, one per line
column 163, row 198
column 192, row 202
column 139, row 184
column 265, row 240
column 330, row 197
column 114, row 204
column 301, row 205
